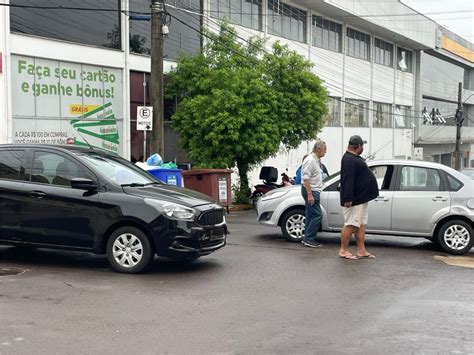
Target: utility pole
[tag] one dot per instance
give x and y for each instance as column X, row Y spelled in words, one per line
column 157, row 144
column 459, row 119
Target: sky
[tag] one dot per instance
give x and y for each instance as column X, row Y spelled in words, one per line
column 456, row 15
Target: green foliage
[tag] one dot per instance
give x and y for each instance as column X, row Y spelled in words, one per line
column 241, row 194
column 238, row 102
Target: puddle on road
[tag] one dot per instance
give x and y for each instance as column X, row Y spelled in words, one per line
column 463, row 261
column 9, row 271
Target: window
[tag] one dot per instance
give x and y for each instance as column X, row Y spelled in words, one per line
column 453, row 183
column 382, row 115
column 356, row 113
column 327, row 34
column 420, row 179
column 333, row 116
column 117, row 170
column 383, row 174
column 181, row 38
column 286, row 21
column 10, row 164
column 52, row 168
column 403, row 117
column 383, row 53
column 98, row 28
column 358, row 44
column 404, row 60
column 247, row 13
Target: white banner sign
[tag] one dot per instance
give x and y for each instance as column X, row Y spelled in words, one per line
column 60, row 102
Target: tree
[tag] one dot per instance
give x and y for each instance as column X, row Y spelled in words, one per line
column 238, row 103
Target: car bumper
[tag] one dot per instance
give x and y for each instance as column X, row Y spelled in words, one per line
column 269, row 211
column 200, row 241
column 185, row 240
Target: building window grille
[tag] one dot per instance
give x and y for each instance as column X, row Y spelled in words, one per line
column 327, row 34
column 356, row 113
column 404, row 60
column 403, row 117
column 247, row 13
column 286, row 21
column 333, row 116
column 358, row 44
column 382, row 115
column 383, row 53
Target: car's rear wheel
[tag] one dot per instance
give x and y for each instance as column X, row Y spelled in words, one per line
column 455, row 237
column 292, row 225
column 129, row 250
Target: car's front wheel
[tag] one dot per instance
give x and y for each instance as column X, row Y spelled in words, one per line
column 292, row 225
column 129, row 250
column 455, row 237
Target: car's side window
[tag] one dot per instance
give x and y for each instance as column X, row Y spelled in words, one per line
column 52, row 168
column 453, row 183
column 413, row 178
column 10, row 164
column 383, row 174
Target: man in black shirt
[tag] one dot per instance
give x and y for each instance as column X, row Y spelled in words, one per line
column 358, row 187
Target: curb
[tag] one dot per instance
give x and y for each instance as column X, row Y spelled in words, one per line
column 238, row 208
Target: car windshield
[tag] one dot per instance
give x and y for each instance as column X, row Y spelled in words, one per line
column 331, row 176
column 468, row 172
column 118, row 170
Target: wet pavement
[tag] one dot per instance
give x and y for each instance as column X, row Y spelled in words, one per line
column 260, row 294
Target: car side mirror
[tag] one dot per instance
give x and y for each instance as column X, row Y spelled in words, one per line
column 83, row 184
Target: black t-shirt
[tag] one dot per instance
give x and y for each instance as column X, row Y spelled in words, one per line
column 358, row 183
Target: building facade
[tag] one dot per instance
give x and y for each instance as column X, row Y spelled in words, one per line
column 81, row 72
column 450, row 63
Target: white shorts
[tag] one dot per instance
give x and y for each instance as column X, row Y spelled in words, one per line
column 356, row 215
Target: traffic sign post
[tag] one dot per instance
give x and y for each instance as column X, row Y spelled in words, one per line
column 144, row 123
column 144, row 118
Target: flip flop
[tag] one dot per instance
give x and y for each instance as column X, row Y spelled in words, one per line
column 368, row 256
column 349, row 257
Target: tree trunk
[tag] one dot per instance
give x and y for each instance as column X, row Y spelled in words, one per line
column 244, row 193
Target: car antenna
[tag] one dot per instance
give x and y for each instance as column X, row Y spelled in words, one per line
column 372, row 155
column 85, row 140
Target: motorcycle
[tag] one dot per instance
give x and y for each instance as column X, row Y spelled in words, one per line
column 269, row 175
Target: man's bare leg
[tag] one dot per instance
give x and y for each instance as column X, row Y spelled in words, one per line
column 346, row 234
column 360, row 239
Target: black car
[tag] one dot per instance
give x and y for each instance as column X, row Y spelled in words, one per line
column 79, row 198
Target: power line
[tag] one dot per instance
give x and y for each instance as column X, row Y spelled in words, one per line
column 339, row 99
column 349, row 92
column 128, row 12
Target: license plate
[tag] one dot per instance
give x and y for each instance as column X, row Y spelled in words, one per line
column 215, row 234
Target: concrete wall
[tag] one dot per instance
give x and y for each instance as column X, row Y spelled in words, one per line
column 440, row 78
column 414, row 26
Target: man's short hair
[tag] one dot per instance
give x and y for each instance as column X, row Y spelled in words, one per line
column 318, row 144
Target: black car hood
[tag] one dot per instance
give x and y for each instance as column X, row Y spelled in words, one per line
column 168, row 193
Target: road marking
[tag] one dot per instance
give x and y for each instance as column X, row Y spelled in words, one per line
column 463, row 261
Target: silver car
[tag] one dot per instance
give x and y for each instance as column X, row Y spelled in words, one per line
column 417, row 199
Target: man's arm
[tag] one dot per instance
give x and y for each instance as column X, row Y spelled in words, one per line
column 305, row 176
column 347, row 182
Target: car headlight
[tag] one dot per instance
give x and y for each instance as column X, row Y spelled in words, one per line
column 172, row 210
column 274, row 194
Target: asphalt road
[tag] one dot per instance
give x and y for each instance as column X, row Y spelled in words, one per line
column 260, row 294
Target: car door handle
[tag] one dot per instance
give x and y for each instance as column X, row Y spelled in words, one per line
column 381, row 199
column 439, row 198
column 37, row 194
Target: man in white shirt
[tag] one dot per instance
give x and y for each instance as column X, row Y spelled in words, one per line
column 311, row 175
